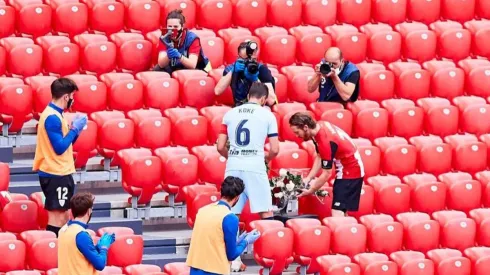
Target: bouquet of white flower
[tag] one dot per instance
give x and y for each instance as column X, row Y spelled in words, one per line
column 287, row 186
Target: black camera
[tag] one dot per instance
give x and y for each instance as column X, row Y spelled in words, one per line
column 325, row 68
column 250, row 63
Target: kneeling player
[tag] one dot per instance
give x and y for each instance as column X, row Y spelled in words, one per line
column 332, row 145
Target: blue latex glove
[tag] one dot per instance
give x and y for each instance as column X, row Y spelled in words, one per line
column 252, row 237
column 241, row 237
column 238, row 67
column 106, row 241
column 252, row 77
column 172, row 53
column 78, row 123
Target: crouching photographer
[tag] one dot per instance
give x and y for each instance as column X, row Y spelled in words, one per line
column 336, row 79
column 245, row 71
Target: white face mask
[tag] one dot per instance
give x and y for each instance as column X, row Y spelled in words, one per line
column 337, row 71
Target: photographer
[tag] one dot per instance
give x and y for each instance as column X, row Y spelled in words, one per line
column 241, row 74
column 180, row 48
column 336, row 79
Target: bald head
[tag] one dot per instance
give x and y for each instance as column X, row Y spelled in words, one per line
column 334, row 56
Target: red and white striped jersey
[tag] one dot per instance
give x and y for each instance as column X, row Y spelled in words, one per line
column 336, row 147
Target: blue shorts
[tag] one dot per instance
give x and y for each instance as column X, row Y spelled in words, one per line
column 257, row 191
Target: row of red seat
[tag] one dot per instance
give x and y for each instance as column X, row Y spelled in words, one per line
column 73, row 17
column 99, row 54
column 138, row 269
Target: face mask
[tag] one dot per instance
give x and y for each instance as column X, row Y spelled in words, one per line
column 70, row 103
column 176, row 34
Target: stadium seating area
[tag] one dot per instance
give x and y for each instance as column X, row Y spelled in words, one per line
column 422, row 124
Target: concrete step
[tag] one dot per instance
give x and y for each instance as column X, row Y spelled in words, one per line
column 135, row 224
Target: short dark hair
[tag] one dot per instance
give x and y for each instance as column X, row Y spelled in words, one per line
column 232, row 187
column 244, row 45
column 300, row 119
column 80, row 203
column 62, row 86
column 258, row 90
column 176, row 14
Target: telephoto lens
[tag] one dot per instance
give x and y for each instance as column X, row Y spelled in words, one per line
column 252, row 66
column 325, row 69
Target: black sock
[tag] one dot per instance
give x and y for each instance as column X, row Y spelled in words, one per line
column 269, row 218
column 53, row 229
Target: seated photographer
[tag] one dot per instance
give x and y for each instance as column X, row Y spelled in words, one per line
column 241, row 74
column 180, row 48
column 336, row 79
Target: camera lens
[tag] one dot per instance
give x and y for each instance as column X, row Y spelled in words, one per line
column 252, row 67
column 325, row 69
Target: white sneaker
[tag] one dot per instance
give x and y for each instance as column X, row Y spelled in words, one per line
column 237, row 265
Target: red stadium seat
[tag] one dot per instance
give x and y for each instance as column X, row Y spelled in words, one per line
column 481, row 216
column 70, row 16
column 281, row 85
column 370, row 121
column 41, row 92
column 390, row 195
column 484, row 178
column 277, row 46
column 23, row 272
column 141, row 269
column 351, row 42
column 441, row 118
column 23, row 57
column 226, row 98
column 340, row 118
column 282, row 109
column 214, row 115
column 376, row 82
column 384, row 234
column 406, row 119
column 214, row 47
column 474, row 119
column 290, row 159
column 454, row 42
column 344, row 228
column 188, row 8
column 154, row 95
column 354, row 12
column 141, row 15
column 449, row 261
column 141, row 174
column 477, row 75
column 211, row 165
column 5, row 236
column 371, row 159
column 114, row 133
column 197, row 196
column 458, row 231
column 91, row 95
column 15, row 105
column 419, row 43
column 469, row 155
column 131, row 245
column 106, row 16
column 375, row 263
column 3, row 60
column 133, row 51
column 7, row 21
column 398, row 157
column 389, row 12
column 43, row 254
column 86, row 145
column 13, row 255
column 311, row 43
column 412, row 262
column 420, row 232
column 274, row 249
column 424, row 11
column 29, row 238
column 232, row 38
column 97, row 54
column 174, row 161
column 322, row 208
column 447, row 80
column 242, row 9
column 147, row 123
column 480, row 262
column 434, row 156
column 194, row 82
column 463, row 194
column 463, row 102
column 483, row 9
column 319, row 13
column 297, row 88
column 118, row 230
column 458, row 10
column 366, row 204
column 311, row 240
column 384, row 44
column 124, row 92
column 60, row 55
column 319, row 108
column 337, row 265
column 187, row 120
column 5, row 176
column 32, row 17
column 176, row 268
column 214, row 14
column 413, row 82
column 278, row 8
column 481, row 36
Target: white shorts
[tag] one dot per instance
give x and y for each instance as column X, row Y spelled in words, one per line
column 257, row 191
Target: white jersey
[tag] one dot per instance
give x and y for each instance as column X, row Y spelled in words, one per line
column 248, row 127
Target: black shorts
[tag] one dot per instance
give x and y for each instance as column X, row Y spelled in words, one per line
column 57, row 191
column 347, row 194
